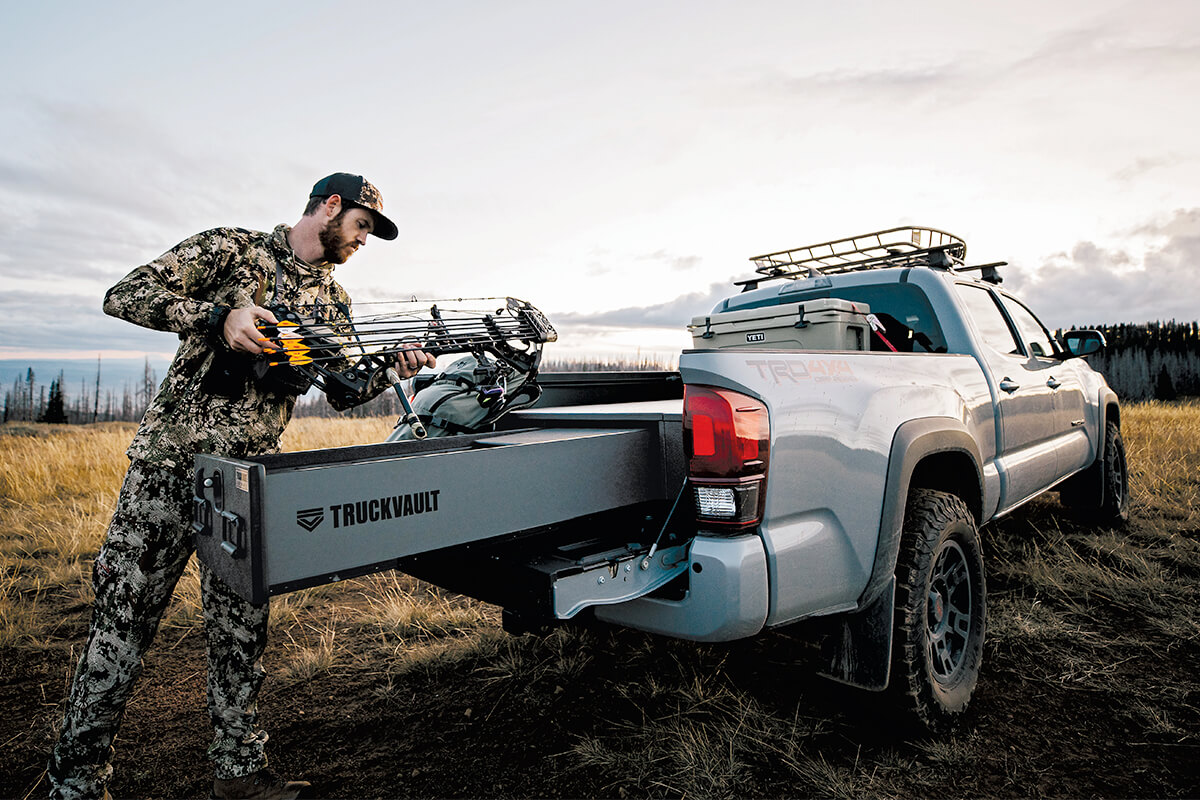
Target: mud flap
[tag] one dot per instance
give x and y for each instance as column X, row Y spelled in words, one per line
column 856, row 649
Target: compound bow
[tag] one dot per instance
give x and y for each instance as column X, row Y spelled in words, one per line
column 321, row 345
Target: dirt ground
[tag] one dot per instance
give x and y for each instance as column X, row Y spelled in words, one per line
column 361, row 731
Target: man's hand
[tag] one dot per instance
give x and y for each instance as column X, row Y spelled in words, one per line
column 410, row 361
column 241, row 333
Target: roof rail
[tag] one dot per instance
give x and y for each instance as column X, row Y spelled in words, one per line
column 906, row 246
column 987, row 272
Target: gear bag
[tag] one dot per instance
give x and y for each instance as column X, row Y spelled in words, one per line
column 470, row 394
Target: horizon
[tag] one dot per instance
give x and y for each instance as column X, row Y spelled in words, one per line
column 129, row 370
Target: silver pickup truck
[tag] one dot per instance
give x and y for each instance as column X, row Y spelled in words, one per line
column 828, row 449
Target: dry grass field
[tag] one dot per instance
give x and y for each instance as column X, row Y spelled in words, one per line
column 388, row 687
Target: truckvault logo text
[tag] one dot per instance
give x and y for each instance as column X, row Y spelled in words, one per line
column 376, row 509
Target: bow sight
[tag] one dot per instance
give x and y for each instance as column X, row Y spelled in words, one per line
column 321, row 345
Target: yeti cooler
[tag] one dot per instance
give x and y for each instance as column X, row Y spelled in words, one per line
column 827, row 323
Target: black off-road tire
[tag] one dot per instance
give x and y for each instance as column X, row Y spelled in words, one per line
column 941, row 611
column 1101, row 492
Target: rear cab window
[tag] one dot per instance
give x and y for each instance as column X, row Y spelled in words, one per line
column 904, row 313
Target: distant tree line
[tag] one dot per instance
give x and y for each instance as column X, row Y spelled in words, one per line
column 29, row 401
column 1152, row 361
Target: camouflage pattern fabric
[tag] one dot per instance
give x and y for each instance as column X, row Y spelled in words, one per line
column 145, row 552
column 177, row 292
column 368, row 197
column 149, row 540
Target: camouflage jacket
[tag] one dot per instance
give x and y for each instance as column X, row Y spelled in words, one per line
column 178, row 292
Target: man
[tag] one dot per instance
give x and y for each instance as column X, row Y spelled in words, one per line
column 210, row 290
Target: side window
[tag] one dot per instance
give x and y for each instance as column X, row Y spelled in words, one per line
column 988, row 318
column 1033, row 332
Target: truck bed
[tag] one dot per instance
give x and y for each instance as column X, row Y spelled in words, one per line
column 535, row 492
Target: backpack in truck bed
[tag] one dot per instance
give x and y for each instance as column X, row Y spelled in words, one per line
column 469, row 395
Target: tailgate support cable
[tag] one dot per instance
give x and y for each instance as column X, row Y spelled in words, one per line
column 662, row 533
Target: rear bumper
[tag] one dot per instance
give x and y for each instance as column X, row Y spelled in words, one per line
column 726, row 597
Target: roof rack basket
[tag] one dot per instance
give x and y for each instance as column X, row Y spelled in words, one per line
column 895, row 247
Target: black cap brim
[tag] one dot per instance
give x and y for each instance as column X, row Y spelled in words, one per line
column 384, row 227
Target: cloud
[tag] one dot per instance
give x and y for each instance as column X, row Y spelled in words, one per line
column 673, row 262
column 43, row 322
column 929, row 84
column 1141, row 166
column 1108, row 48
column 91, row 192
column 675, row 313
column 1183, row 224
column 1093, row 284
column 1073, row 65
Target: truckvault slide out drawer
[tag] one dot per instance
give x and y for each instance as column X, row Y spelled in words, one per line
column 274, row 524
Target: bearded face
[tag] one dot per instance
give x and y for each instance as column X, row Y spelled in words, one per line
column 338, row 246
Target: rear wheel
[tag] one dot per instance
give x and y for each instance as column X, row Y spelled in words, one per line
column 940, row 610
column 1101, row 492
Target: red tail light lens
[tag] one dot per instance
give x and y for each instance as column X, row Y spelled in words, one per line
column 727, row 437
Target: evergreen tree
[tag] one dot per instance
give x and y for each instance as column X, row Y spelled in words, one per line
column 55, row 407
column 1164, row 389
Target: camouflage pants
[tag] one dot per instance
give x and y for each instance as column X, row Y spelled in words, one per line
column 147, row 547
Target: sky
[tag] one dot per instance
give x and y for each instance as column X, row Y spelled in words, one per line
column 614, row 163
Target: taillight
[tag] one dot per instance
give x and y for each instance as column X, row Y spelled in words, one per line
column 727, row 438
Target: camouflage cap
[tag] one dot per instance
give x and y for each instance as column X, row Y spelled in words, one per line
column 356, row 190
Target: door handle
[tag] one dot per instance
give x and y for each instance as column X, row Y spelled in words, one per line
column 1052, row 383
column 1009, row 385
